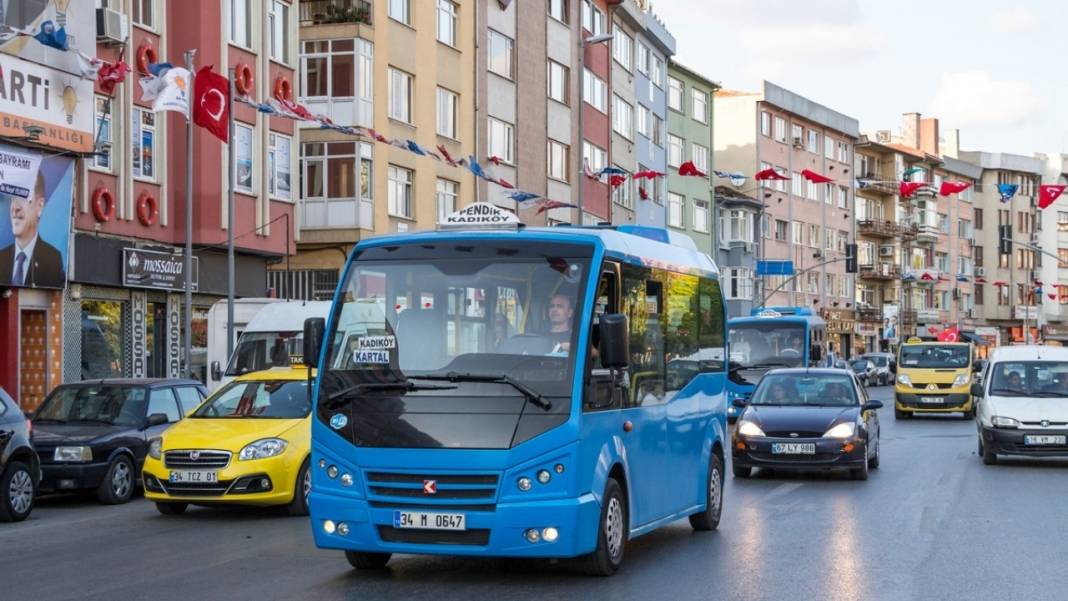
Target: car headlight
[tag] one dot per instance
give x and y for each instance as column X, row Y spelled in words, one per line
column 748, row 428
column 73, row 454
column 1004, row 422
column 843, row 430
column 261, row 449
column 904, row 379
column 960, row 380
column 154, row 447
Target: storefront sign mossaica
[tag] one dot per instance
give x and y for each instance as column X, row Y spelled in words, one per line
column 153, row 269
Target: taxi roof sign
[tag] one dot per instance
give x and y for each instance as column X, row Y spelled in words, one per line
column 479, row 215
column 914, row 340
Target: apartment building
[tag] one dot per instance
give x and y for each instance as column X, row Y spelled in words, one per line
column 689, row 199
column 403, row 68
column 1053, row 239
column 805, row 222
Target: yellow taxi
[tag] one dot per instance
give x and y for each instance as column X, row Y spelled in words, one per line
column 247, row 443
column 933, row 377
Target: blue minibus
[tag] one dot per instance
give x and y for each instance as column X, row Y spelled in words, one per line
column 768, row 338
column 518, row 392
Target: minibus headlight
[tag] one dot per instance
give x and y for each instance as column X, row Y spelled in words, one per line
column 960, row 380
column 904, row 380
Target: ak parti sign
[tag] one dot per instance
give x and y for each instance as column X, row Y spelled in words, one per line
column 35, row 96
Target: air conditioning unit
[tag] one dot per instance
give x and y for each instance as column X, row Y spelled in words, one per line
column 886, row 251
column 111, row 25
column 798, row 142
column 980, row 272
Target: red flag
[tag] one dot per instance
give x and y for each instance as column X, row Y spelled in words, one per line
column 445, row 153
column 927, row 277
column 642, row 193
column 999, row 283
column 908, row 188
column 496, row 160
column 814, row 177
column 949, row 335
column 689, row 169
column 617, row 180
column 211, row 103
column 932, row 330
column 1047, row 193
column 1052, row 296
column 111, row 75
column 953, row 188
column 504, row 184
column 296, row 108
column 980, row 280
column 650, row 174
column 769, row 173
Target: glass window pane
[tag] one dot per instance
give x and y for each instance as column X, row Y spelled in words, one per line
column 342, row 182
column 343, row 73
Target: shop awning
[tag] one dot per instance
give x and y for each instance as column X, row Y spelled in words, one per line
column 973, row 338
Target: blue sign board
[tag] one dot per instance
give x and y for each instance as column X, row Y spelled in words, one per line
column 775, row 267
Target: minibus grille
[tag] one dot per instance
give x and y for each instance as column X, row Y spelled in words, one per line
column 471, row 492
column 477, row 537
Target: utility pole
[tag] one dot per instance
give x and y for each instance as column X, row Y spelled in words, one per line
column 187, row 347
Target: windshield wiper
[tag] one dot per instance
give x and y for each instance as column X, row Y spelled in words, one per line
column 1008, row 392
column 401, row 385
column 42, row 420
column 532, row 395
column 1049, row 394
column 93, row 421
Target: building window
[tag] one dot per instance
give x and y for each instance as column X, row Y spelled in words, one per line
column 657, row 74
column 400, row 191
column 278, row 24
column 644, row 121
column 622, row 117
column 843, row 197
column 594, row 91
column 780, row 230
column 977, row 254
column 143, row 142
column 780, row 129
column 400, row 10
column 558, row 10
column 812, row 190
column 447, row 22
column 143, row 13
column 813, row 235
column 765, row 123
column 797, row 134
column 643, row 59
column 829, row 239
column 1062, row 221
column 658, row 131
column 400, row 95
column 448, row 192
column 243, row 158
column 676, row 151
column 737, row 226
column 675, row 209
column 700, row 105
column 623, row 49
column 240, row 22
column 699, row 154
column 558, row 79
column 559, row 164
column 739, row 284
column 813, row 141
column 278, row 167
column 102, row 339
column 592, row 18
column 675, row 91
column 700, row 215
column 798, row 233
column 594, row 156
column 828, row 147
column 501, row 140
column 102, row 132
column 340, row 71
column 501, row 54
column 337, row 178
column 447, row 113
column 843, row 152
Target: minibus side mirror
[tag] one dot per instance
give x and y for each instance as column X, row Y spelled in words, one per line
column 977, row 390
column 314, row 329
column 216, row 371
column 614, row 346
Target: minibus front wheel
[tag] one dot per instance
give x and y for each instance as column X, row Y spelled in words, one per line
column 611, row 533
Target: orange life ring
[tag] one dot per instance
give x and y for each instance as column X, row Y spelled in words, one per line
column 103, row 204
column 147, row 209
column 146, row 55
column 283, row 90
column 243, row 79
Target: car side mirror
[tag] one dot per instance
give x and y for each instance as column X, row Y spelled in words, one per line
column 156, row 419
column 873, row 405
column 893, row 367
column 977, row 390
column 977, row 368
column 740, row 403
column 614, row 346
column 216, row 371
column 314, row 330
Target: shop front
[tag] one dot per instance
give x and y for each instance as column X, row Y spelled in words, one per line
column 1055, row 334
column 867, row 337
column 841, row 328
column 125, row 307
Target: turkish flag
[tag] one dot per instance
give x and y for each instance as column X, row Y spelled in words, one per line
column 949, row 335
column 953, row 188
column 111, row 75
column 617, row 180
column 908, row 188
column 211, row 103
column 814, row 177
column 769, row 173
column 1047, row 193
column 689, row 169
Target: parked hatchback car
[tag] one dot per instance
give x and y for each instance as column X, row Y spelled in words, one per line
column 885, row 365
column 93, row 436
column 20, row 470
column 865, row 371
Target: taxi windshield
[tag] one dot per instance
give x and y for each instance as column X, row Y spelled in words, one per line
column 824, row 390
column 265, row 399
column 927, row 356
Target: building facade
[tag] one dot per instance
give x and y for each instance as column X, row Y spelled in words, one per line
column 689, row 207
column 654, row 46
column 738, row 219
column 807, row 223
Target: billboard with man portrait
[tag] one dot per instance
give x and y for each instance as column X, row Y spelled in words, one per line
column 35, row 212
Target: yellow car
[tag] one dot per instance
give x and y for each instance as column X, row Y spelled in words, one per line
column 934, row 377
column 247, row 443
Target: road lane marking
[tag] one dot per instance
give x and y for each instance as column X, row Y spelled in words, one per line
column 783, row 489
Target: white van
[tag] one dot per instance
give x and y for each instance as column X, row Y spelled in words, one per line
column 271, row 337
column 1023, row 403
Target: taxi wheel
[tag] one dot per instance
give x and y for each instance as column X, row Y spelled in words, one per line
column 611, row 533
column 899, row 414
column 299, row 505
column 709, row 518
column 171, row 508
column 367, row 561
column 118, row 484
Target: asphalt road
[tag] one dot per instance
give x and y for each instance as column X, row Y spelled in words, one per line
column 931, row 523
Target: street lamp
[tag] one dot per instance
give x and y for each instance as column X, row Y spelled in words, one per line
column 599, row 38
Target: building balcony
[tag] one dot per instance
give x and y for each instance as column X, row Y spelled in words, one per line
column 909, row 231
column 928, row 315
column 927, row 234
column 879, row 183
column 869, row 314
column 907, row 317
column 320, row 12
column 878, row 228
column 883, row 271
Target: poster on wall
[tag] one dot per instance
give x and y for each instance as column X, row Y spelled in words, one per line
column 35, row 197
column 891, row 324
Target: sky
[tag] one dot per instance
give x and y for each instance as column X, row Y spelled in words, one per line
column 995, row 70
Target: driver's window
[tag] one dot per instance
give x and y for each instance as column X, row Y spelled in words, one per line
column 605, row 301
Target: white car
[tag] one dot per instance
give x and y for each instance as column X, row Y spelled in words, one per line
column 1023, row 403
